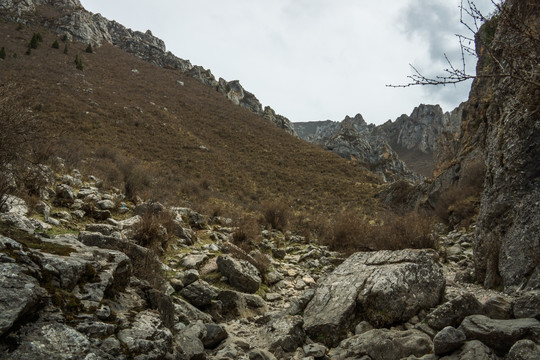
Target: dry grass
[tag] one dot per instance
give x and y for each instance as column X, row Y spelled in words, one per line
column 186, row 134
column 458, row 205
column 350, row 232
column 276, row 214
column 247, row 233
column 154, row 230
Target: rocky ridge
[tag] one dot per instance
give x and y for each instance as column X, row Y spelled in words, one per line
column 399, row 149
column 68, row 17
column 355, row 140
column 77, row 283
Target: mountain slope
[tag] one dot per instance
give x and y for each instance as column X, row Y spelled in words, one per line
column 208, row 149
column 68, row 17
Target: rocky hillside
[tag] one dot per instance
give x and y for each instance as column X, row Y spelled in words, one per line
column 81, row 278
column 164, row 131
column 412, row 142
column 68, row 17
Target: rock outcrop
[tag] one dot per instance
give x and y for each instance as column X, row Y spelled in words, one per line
column 500, row 130
column 395, row 148
column 354, row 139
column 375, row 287
column 81, row 25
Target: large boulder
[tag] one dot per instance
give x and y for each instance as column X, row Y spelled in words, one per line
column 500, row 335
column 20, row 295
column 524, row 350
column 452, row 312
column 383, row 344
column 240, row 273
column 45, row 340
column 383, row 288
column 147, row 335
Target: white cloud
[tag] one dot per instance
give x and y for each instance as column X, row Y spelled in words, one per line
column 309, row 59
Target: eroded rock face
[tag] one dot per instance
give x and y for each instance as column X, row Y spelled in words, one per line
column 20, row 295
column 381, row 287
column 353, row 138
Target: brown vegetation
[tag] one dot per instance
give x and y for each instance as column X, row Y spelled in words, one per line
column 350, row 232
column 458, row 205
column 189, row 143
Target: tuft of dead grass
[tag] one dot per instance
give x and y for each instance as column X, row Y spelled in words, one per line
column 350, row 232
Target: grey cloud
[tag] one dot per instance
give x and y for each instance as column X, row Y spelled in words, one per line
column 432, row 21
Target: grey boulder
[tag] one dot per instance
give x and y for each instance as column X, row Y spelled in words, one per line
column 381, row 287
column 20, row 295
column 500, row 335
column 384, row 344
column 240, row 273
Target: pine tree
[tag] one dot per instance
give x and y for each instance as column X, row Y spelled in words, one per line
column 2, row 53
column 34, row 42
column 89, row 49
column 64, row 38
column 55, row 44
column 78, row 63
column 65, row 49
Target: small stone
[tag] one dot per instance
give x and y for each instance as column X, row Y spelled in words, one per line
column 104, row 312
column 316, row 350
column 497, row 307
column 362, row 327
column 190, row 276
column 448, row 340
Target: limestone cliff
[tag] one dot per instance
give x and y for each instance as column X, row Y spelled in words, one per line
column 417, row 142
column 70, row 18
column 355, row 140
column 500, row 129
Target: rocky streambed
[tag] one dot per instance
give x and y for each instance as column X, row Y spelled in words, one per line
column 75, row 283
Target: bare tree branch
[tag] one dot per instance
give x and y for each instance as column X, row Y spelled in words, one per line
column 517, row 60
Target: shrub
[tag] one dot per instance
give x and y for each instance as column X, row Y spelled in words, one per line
column 2, row 53
column 89, row 49
column 246, row 233
column 154, row 230
column 78, row 63
column 458, row 205
column 347, row 233
column 350, row 232
column 34, row 42
column 64, row 38
column 19, row 137
column 136, row 178
column 55, row 45
column 65, row 49
column 276, row 215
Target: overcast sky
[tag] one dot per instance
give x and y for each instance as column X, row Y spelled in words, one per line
column 311, row 59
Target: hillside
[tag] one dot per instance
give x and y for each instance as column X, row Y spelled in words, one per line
column 203, row 147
